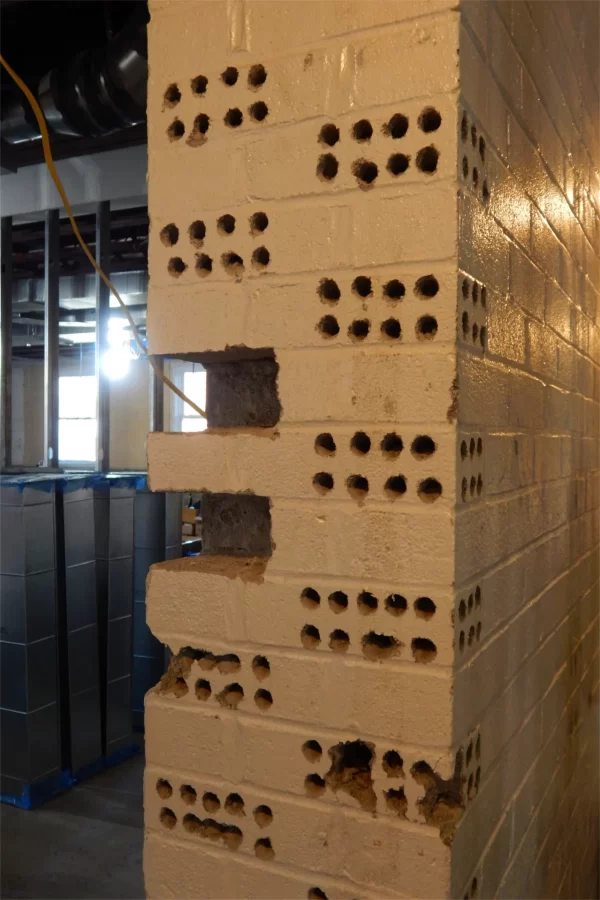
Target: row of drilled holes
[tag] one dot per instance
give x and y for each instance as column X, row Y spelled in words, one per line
column 426, row 287
column 423, row 649
column 231, row 695
column 474, row 331
column 367, row 603
column 473, row 601
column 232, row 835
column 392, row 763
column 234, row 803
column 391, row 445
column 169, row 235
column 231, row 262
column 257, row 75
column 366, row 171
column 233, row 118
column 471, row 487
column 428, row 490
column 485, row 191
column 395, row 798
column 426, row 328
column 396, row 127
column 473, row 634
column 472, row 448
column 479, row 144
column 474, row 290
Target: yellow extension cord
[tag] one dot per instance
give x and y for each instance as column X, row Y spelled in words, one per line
column 63, row 194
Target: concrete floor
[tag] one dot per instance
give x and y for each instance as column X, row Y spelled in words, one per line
column 86, row 843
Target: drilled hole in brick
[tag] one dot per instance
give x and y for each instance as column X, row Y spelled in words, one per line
column 327, row 167
column 395, row 486
column 234, row 804
column 169, row 235
column 429, row 490
column 263, row 698
column 163, row 788
column 427, row 160
column 423, row 650
column 478, row 747
column 228, row 662
column 422, row 446
column 427, row 327
column 201, row 126
column 394, row 290
column 193, row 825
column 362, row 286
column 461, row 641
column 325, row 444
column 314, row 785
column 360, row 443
column 338, row 601
column 339, row 641
column 328, row 326
column 465, row 288
column 471, row 636
column 172, row 95
column 482, row 335
column 263, row 815
column 176, row 130
column 465, row 167
column 180, row 688
column 233, row 264
column 482, row 148
column 463, row 449
column 312, row 750
column 230, row 76
column 233, row 118
column 257, row 75
column 470, row 791
column 359, row 329
column 485, row 191
column 204, row 265
column 365, row 171
column 391, row 329
column 258, row 111
column 261, row 258
column 398, row 163
column 197, row 232
column 465, row 323
column 202, row 689
column 188, row 794
column 464, row 488
column 483, row 296
column 310, row 637
column 329, row 134
column 310, row 598
column 358, row 486
column 396, row 802
column 199, row 84
column 261, row 667
column 367, row 603
column 391, row 445
column 474, row 888
column 226, row 224
column 470, row 603
column 323, row 482
column 479, row 485
column 316, row 893
column 362, row 130
column 473, row 135
column 430, row 119
column 210, row 802
column 328, row 290
column 206, row 659
column 427, row 286
column 259, row 222
column 263, row 849
column 167, row 817
column 472, row 485
column 393, row 764
column 396, row 604
column 396, row 127
column 462, row 610
column 378, row 647
column 231, row 695
column 469, row 753
column 475, row 292
column 424, row 607
column 176, row 266
column 475, row 176
column 477, row 596
column 464, row 127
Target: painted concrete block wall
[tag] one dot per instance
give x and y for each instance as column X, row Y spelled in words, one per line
column 385, row 686
column 526, row 543
column 303, row 206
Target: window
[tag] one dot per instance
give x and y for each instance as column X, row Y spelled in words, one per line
column 77, row 423
column 194, row 387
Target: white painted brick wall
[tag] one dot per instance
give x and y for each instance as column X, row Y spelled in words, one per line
column 506, row 384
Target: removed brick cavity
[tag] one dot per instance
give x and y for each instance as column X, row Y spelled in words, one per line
column 441, row 804
column 351, row 764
